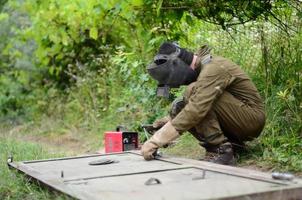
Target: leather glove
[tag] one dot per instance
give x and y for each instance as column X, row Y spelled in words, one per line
column 160, row 138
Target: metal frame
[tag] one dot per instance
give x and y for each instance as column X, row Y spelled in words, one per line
column 289, row 190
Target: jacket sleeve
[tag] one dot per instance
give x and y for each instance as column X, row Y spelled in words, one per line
column 211, row 83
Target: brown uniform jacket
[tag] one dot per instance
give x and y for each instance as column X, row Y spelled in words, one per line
column 218, row 76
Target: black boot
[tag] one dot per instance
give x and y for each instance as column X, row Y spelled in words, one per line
column 222, row 154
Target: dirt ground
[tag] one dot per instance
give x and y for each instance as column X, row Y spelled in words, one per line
column 69, row 143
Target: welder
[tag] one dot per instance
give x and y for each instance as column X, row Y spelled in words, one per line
column 221, row 106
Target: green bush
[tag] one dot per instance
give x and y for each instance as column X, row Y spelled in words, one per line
column 83, row 63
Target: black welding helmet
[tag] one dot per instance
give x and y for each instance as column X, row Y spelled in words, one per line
column 172, row 70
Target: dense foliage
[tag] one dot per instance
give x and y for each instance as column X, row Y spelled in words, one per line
column 83, row 62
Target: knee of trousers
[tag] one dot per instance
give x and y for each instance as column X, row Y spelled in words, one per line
column 209, row 130
column 210, row 138
column 237, row 119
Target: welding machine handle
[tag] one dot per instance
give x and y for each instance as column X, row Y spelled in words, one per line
column 121, row 128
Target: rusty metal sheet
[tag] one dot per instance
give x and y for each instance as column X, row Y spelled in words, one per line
column 130, row 177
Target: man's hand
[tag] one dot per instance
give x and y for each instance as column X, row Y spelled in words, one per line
column 148, row 150
column 160, row 138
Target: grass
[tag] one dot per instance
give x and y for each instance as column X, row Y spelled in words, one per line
column 187, row 146
column 269, row 152
column 14, row 185
column 279, row 148
column 40, row 140
column 282, row 152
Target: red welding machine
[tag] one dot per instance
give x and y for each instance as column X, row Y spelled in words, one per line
column 118, row 141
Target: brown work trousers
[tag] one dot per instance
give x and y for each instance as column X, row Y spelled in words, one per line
column 228, row 120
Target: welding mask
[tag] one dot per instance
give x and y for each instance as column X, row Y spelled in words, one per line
column 171, row 72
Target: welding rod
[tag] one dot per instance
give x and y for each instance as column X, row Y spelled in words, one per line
column 145, row 131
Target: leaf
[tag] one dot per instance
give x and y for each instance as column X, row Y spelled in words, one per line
column 137, row 2
column 159, row 4
column 93, row 33
column 283, row 94
column 299, row 14
column 144, row 77
column 51, row 70
column 189, row 20
column 3, row 16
